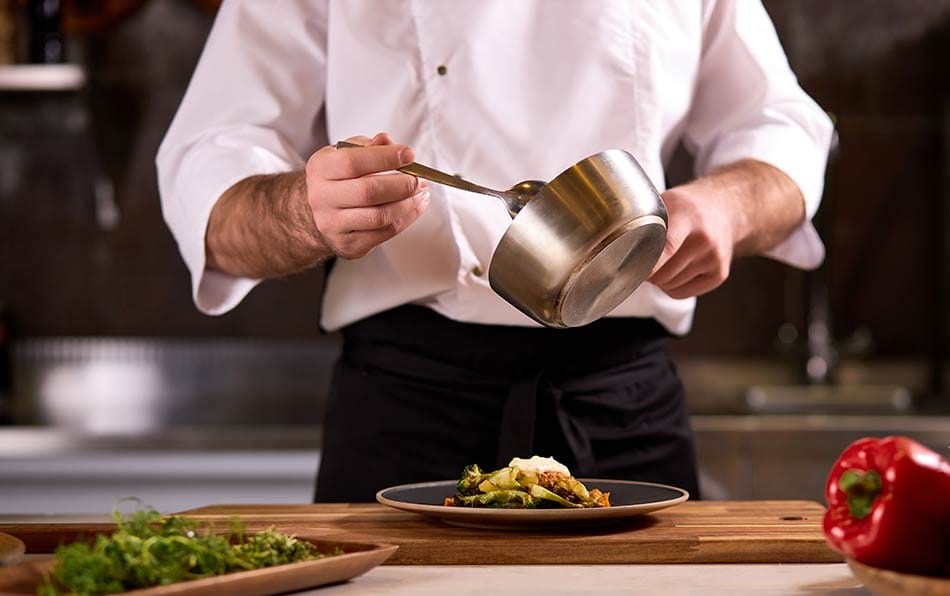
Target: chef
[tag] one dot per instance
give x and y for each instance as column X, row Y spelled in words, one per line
column 437, row 371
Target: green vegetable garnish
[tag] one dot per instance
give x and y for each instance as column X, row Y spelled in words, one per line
column 149, row 550
column 514, row 488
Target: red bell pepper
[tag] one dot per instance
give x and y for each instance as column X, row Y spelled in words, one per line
column 889, row 506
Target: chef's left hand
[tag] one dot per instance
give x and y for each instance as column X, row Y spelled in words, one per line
column 700, row 241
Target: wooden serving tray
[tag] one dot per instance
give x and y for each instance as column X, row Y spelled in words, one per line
column 357, row 558
column 11, row 550
column 692, row 532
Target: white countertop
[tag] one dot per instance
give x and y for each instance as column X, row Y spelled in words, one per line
column 829, row 579
column 551, row 580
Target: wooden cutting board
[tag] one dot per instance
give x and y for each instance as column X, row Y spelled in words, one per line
column 692, row 532
column 11, row 550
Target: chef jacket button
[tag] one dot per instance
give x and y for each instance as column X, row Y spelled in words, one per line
column 477, row 271
column 442, row 70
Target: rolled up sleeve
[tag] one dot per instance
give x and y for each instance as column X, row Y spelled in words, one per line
column 253, row 106
column 748, row 105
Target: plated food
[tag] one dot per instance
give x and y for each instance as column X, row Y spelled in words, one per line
column 528, row 494
column 149, row 550
column 533, row 483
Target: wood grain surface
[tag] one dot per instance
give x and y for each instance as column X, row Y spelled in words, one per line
column 692, row 532
column 11, row 550
column 357, row 558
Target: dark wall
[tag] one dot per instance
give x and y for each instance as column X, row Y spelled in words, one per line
column 880, row 67
column 61, row 273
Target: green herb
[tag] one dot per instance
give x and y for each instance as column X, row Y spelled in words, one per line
column 149, row 550
column 513, row 488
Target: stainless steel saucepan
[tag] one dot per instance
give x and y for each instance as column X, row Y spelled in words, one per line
column 580, row 244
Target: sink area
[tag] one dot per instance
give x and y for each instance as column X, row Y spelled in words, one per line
column 789, row 456
column 828, row 399
column 736, row 386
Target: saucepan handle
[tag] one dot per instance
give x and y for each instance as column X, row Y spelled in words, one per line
column 438, row 176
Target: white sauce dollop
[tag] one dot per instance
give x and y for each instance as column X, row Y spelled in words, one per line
column 539, row 465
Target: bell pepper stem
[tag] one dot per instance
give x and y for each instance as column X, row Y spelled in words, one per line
column 862, row 488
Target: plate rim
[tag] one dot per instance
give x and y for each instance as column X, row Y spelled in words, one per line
column 558, row 514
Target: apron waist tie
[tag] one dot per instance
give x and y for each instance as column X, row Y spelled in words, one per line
column 519, row 419
column 516, row 438
column 575, row 435
column 519, row 414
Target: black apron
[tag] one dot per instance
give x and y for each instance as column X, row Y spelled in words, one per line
column 416, row 396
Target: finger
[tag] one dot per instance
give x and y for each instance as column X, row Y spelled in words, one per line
column 687, row 275
column 386, row 217
column 382, row 138
column 353, row 162
column 697, row 265
column 685, row 254
column 695, row 287
column 375, row 190
column 359, row 243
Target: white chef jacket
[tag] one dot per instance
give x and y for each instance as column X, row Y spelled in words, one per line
column 494, row 90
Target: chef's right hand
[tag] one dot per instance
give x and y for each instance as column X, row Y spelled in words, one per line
column 355, row 206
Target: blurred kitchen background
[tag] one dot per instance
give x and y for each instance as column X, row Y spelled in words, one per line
column 112, row 384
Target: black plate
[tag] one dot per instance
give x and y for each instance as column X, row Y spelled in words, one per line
column 627, row 498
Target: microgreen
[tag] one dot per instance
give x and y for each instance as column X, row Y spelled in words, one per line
column 150, row 550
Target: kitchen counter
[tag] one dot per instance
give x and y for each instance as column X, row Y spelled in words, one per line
column 547, row 580
column 831, row 579
column 760, row 578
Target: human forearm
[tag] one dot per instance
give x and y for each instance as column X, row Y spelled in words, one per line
column 744, row 208
column 766, row 203
column 343, row 205
column 263, row 227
